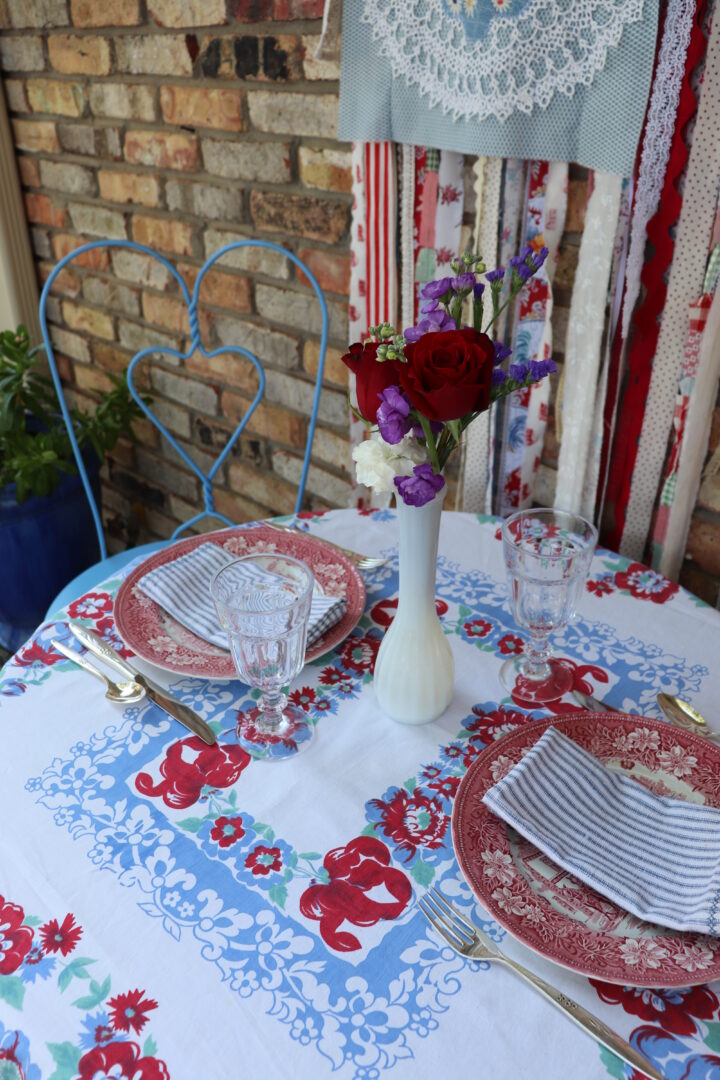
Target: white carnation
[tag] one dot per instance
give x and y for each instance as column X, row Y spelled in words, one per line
column 377, row 463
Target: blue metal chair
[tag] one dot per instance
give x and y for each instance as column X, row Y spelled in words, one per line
column 111, row 565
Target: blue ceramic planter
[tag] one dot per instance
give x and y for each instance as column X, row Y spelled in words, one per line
column 44, row 543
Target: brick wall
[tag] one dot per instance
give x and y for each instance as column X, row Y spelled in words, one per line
column 185, row 124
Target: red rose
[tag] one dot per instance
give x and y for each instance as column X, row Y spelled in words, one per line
column 448, row 373
column 15, row 939
column 122, row 1060
column 372, row 376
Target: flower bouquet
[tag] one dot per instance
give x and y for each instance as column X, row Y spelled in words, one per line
column 418, row 391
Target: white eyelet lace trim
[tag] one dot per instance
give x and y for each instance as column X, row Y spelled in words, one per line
column 521, row 62
column 659, row 128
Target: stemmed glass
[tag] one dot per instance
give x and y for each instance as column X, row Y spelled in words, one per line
column 547, row 558
column 263, row 603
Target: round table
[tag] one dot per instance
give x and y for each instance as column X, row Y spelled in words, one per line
column 173, row 909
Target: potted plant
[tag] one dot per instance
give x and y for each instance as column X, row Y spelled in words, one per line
column 46, row 529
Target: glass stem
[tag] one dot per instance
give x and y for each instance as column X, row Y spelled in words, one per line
column 272, row 704
column 537, row 653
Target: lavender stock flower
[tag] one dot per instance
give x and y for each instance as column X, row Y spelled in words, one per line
column 392, row 415
column 435, row 321
column 518, row 372
column 421, row 487
column 501, row 352
column 435, row 289
column 463, row 281
column 540, row 368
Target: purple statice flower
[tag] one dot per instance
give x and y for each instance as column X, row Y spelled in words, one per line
column 498, row 377
column 539, row 257
column 392, row 415
column 525, row 251
column 518, row 372
column 494, row 276
column 540, row 368
column 463, row 281
column 421, row 487
column 435, row 289
column 478, row 290
column 434, row 322
column 501, row 352
column 524, row 272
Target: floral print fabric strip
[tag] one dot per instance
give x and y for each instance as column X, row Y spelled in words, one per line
column 147, row 872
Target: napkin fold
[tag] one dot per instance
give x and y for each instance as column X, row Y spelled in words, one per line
column 654, row 856
column 182, row 588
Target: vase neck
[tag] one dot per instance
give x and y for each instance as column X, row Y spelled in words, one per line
column 419, row 529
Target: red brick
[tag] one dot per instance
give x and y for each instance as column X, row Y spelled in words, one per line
column 171, row 150
column 703, row 545
column 105, row 13
column 316, row 219
column 64, row 243
column 332, row 270
column 39, row 136
column 29, row 171
column 65, row 368
column 334, row 371
column 298, row 9
column 249, row 11
column 164, row 233
column 56, row 96
column 230, row 368
column 67, row 283
column 165, row 311
column 200, row 107
column 44, row 211
column 87, row 55
column 220, row 289
column 268, row 421
column 126, row 187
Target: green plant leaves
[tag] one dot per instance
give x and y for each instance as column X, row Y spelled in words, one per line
column 66, row 1058
column 12, row 990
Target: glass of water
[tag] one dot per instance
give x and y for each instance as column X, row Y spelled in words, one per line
column 547, row 558
column 263, row 603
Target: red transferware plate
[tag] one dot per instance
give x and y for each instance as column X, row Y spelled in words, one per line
column 157, row 637
column 547, row 908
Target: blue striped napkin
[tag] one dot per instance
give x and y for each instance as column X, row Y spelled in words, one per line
column 182, row 588
column 654, row 856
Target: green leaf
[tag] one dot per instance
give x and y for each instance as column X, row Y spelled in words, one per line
column 66, row 1058
column 75, row 969
column 369, row 830
column 311, row 856
column 712, row 1039
column 97, row 994
column 31, row 920
column 410, row 784
column 191, row 824
column 464, row 611
column 149, row 1047
column 232, row 798
column 278, row 895
column 12, row 990
column 614, row 1065
column 422, row 873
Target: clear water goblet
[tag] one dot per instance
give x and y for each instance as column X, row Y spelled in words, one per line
column 263, row 604
column 547, row 558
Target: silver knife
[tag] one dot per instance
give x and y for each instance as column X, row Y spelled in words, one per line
column 591, row 703
column 182, row 713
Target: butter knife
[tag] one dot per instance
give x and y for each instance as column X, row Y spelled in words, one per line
column 182, row 713
column 591, row 703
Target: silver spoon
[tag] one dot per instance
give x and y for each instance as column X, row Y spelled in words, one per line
column 681, row 712
column 121, row 692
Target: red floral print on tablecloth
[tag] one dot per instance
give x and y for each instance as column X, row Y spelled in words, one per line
column 509, row 645
column 184, row 777
column 15, row 939
column 354, row 870
column 411, row 821
column 675, row 1009
column 359, row 653
column 384, row 611
column 227, row 831
column 92, row 605
column 645, row 584
column 60, row 938
column 121, row 1061
column 264, row 860
column 129, row 1011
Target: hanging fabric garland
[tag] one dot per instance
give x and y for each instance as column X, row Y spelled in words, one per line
column 584, row 338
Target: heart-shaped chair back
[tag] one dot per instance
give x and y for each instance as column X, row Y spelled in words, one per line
column 195, row 346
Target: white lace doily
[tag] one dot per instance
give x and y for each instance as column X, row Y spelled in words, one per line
column 529, row 50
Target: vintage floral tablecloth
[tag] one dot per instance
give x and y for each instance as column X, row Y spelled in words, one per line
column 169, row 909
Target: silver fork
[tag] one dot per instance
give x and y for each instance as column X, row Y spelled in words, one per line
column 466, row 939
column 363, row 562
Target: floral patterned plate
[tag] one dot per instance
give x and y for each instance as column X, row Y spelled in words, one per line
column 547, row 908
column 157, row 637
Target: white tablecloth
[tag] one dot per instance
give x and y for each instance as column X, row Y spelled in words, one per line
column 173, row 910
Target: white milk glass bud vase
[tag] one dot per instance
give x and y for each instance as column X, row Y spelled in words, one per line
column 414, row 669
